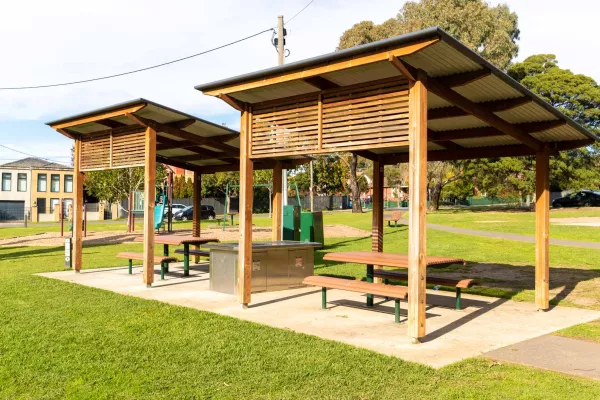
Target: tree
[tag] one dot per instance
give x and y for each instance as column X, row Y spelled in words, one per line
column 115, row 185
column 330, row 175
column 351, row 161
column 490, row 31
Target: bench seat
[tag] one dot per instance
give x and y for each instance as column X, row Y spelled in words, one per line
column 388, row 291
column 194, row 252
column 456, row 283
column 162, row 260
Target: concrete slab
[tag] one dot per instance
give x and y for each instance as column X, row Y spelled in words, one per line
column 485, row 323
column 556, row 353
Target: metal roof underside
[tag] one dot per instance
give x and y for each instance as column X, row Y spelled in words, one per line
column 177, row 146
column 442, row 59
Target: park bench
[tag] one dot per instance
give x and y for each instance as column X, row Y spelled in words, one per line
column 396, row 216
column 162, row 260
column 455, row 283
column 194, row 252
column 388, row 291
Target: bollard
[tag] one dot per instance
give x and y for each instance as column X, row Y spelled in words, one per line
column 68, row 250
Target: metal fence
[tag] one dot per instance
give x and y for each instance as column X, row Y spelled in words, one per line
column 15, row 214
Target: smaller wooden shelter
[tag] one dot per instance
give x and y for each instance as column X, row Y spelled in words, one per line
column 140, row 133
column 419, row 97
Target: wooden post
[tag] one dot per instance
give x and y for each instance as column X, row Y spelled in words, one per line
column 244, row 283
column 197, row 210
column 417, row 181
column 377, row 218
column 277, row 202
column 542, row 228
column 149, row 199
column 77, row 207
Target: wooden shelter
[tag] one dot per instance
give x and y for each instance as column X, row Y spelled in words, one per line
column 140, row 133
column 414, row 98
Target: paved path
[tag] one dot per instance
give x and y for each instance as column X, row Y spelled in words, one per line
column 556, row 353
column 510, row 236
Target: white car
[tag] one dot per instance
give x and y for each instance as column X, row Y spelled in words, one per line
column 176, row 208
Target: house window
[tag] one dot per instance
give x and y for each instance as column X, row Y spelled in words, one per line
column 6, row 181
column 68, row 183
column 53, row 203
column 42, row 182
column 55, row 183
column 21, row 182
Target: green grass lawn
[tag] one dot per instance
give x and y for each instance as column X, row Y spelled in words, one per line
column 61, row 340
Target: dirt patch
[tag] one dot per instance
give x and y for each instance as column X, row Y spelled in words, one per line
column 577, row 221
column 110, row 237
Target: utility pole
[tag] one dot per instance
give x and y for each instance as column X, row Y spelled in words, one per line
column 280, row 61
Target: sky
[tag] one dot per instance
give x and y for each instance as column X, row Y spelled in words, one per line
column 66, row 40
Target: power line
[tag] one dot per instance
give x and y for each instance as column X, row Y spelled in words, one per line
column 153, row 66
column 136, row 70
column 27, row 154
column 299, row 12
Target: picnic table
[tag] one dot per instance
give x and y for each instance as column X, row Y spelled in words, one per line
column 178, row 240
column 220, row 219
column 371, row 258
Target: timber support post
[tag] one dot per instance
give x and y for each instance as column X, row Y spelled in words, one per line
column 244, row 283
column 277, row 202
column 197, row 201
column 149, row 199
column 377, row 221
column 77, row 207
column 542, row 228
column 417, row 176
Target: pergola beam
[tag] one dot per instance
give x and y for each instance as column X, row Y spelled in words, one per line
column 238, row 105
column 491, row 106
column 442, row 90
column 109, row 123
column 369, row 155
column 465, row 78
column 168, row 143
column 487, row 131
column 321, row 83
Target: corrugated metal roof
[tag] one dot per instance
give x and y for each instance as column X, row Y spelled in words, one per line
column 443, row 58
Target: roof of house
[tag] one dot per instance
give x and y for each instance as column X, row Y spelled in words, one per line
column 34, row 162
column 442, row 58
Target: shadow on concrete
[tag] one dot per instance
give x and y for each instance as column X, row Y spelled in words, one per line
column 380, row 307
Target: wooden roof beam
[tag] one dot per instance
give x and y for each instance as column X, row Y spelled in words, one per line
column 199, row 140
column 109, row 123
column 465, row 78
column 491, row 106
column 181, row 124
column 321, row 83
column 238, row 105
column 487, row 131
column 449, row 145
column 110, row 114
column 402, row 67
column 369, row 155
column 442, row 90
column 168, row 144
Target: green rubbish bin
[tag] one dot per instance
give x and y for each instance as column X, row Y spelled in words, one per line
column 291, row 223
column 311, row 227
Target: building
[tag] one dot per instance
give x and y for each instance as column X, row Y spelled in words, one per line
column 34, row 187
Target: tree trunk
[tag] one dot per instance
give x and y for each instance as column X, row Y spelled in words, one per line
column 434, row 199
column 356, row 205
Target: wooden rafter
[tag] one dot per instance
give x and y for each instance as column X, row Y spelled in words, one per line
column 464, row 78
column 321, row 83
column 401, row 67
column 449, row 145
column 491, row 106
column 199, row 140
column 440, row 89
column 488, row 131
column 369, row 155
column 168, row 144
column 109, row 123
column 238, row 105
column 95, row 118
column 323, row 69
column 184, row 123
column 258, row 165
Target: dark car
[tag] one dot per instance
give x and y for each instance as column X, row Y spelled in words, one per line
column 206, row 212
column 585, row 198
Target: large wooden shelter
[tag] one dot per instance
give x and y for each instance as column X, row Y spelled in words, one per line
column 140, row 133
column 414, row 98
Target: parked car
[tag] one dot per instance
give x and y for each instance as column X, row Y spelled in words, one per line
column 176, row 208
column 206, row 212
column 584, row 198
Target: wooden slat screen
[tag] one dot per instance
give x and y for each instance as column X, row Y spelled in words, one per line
column 357, row 117
column 102, row 152
column 95, row 153
column 285, row 128
column 366, row 117
column 128, row 150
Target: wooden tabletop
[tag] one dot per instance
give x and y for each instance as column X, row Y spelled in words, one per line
column 385, row 259
column 177, row 240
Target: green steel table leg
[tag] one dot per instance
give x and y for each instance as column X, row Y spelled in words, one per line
column 166, row 254
column 458, row 298
column 186, row 259
column 324, row 298
column 130, row 267
column 397, row 310
column 370, row 279
column 162, row 271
